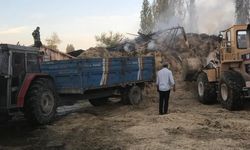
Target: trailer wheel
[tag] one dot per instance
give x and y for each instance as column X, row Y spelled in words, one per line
column 41, row 102
column 125, row 97
column 98, row 101
column 230, row 90
column 135, row 95
column 206, row 91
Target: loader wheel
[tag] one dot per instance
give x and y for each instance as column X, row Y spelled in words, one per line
column 230, row 90
column 98, row 101
column 206, row 91
column 41, row 102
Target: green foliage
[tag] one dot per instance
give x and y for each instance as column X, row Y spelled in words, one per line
column 70, row 48
column 53, row 41
column 109, row 39
column 146, row 18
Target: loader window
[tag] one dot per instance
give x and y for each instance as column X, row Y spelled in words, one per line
column 228, row 41
column 242, row 39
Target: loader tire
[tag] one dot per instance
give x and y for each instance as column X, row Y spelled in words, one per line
column 230, row 90
column 40, row 102
column 98, row 101
column 206, row 90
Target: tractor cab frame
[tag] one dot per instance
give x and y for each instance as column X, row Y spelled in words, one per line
column 15, row 63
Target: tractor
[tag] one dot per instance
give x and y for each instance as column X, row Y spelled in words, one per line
column 227, row 78
column 23, row 87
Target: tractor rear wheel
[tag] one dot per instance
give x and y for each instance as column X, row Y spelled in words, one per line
column 206, row 90
column 98, row 101
column 41, row 102
column 230, row 90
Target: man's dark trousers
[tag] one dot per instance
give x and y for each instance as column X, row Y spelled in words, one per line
column 163, row 104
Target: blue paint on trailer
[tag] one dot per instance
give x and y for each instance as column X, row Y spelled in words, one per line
column 79, row 75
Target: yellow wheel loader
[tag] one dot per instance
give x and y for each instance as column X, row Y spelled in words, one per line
column 227, row 77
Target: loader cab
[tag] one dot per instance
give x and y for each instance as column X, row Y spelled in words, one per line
column 15, row 63
column 235, row 43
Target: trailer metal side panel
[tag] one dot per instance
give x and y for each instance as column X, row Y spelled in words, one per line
column 114, row 73
column 148, row 70
column 78, row 75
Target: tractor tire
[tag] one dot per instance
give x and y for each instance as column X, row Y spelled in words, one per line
column 98, row 102
column 230, row 90
column 206, row 90
column 41, row 102
column 135, row 95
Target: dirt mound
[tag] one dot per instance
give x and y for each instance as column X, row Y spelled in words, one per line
column 102, row 52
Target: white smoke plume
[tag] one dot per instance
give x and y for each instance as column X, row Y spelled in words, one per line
column 214, row 15
column 202, row 16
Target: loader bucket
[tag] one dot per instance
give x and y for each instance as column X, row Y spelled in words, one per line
column 191, row 67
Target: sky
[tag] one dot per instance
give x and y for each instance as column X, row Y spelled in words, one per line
column 75, row 21
column 78, row 21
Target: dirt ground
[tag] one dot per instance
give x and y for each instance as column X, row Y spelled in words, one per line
column 189, row 125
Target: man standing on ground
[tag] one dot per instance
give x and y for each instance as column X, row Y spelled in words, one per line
column 165, row 82
column 36, row 36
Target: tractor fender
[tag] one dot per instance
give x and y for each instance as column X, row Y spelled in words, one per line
column 25, row 86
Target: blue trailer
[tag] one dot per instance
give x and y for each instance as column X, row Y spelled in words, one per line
column 97, row 79
column 37, row 88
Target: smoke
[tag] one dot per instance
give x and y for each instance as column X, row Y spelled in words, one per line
column 214, row 15
column 199, row 16
column 173, row 14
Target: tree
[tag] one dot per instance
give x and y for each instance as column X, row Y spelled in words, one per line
column 160, row 8
column 53, row 41
column 167, row 13
column 70, row 48
column 192, row 24
column 146, row 18
column 109, row 39
column 242, row 11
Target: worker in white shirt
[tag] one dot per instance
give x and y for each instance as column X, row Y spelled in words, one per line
column 165, row 82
